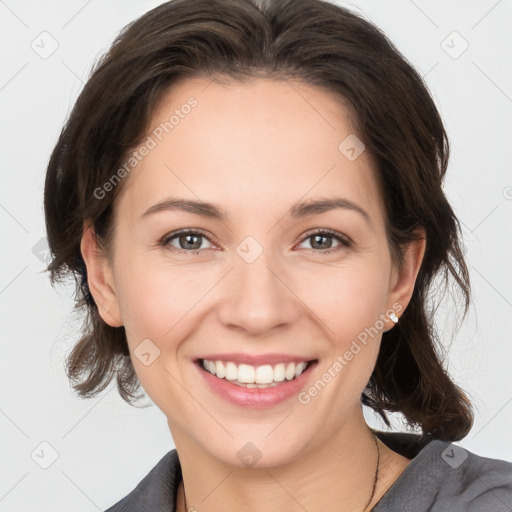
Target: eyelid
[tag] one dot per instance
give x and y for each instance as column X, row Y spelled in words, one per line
column 335, row 234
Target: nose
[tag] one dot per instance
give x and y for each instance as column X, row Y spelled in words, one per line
column 257, row 297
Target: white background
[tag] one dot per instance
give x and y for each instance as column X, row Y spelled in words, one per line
column 104, row 446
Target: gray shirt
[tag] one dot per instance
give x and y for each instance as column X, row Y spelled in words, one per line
column 441, row 477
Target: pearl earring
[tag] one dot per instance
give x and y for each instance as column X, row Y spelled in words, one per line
column 393, row 318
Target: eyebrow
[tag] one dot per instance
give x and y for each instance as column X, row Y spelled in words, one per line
column 214, row 211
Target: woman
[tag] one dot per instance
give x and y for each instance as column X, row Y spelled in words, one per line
column 250, row 197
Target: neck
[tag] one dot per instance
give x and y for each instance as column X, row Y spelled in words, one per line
column 338, row 475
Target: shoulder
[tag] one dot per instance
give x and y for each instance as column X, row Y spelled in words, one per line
column 444, row 477
column 483, row 483
column 156, row 491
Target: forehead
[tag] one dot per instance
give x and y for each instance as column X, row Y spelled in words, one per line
column 260, row 144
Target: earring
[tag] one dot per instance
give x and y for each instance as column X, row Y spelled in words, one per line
column 393, row 318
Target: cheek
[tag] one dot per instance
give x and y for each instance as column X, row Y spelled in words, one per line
column 153, row 298
column 347, row 299
column 157, row 304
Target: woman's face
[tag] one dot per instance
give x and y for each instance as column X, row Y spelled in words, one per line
column 256, row 287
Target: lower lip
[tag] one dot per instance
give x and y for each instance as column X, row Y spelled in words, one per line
column 256, row 397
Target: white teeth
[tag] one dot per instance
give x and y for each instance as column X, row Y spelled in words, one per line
column 220, row 369
column 264, row 374
column 279, row 372
column 231, row 371
column 254, row 377
column 299, row 368
column 290, row 371
column 246, row 374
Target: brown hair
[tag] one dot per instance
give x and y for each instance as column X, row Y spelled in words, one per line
column 322, row 45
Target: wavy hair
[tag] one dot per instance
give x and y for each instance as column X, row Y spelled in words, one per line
column 322, row 45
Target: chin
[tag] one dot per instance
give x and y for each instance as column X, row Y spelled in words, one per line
column 259, row 450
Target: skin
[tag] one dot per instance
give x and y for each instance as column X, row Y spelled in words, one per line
column 255, row 149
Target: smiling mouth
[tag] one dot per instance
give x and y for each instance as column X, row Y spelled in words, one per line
column 249, row 376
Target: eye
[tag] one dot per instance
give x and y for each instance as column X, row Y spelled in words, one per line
column 320, row 240
column 189, row 241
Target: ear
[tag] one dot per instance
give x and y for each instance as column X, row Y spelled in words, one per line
column 404, row 278
column 100, row 278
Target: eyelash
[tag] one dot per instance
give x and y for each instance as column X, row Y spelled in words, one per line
column 345, row 242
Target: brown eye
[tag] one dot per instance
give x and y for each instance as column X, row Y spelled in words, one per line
column 321, row 241
column 188, row 241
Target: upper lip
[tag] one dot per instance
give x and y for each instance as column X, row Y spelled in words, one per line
column 260, row 360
